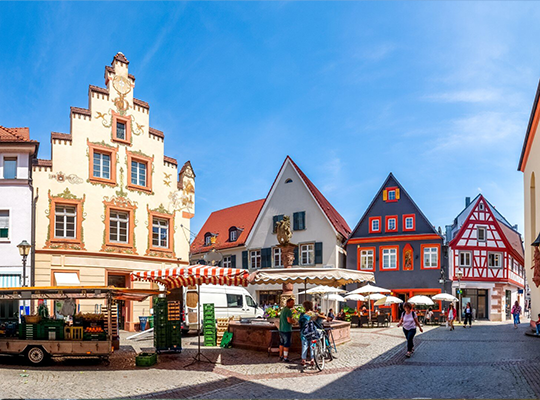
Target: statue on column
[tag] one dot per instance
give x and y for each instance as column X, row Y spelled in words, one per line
column 284, row 235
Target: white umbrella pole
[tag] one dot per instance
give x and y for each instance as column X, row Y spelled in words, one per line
column 369, row 308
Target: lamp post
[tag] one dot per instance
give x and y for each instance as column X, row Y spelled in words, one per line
column 459, row 275
column 24, row 249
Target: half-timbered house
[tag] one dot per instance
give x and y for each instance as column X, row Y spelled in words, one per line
column 486, row 260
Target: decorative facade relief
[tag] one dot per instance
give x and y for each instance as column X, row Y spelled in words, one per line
column 71, row 178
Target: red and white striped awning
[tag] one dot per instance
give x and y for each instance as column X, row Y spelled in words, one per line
column 173, row 278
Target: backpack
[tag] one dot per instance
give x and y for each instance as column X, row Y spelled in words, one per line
column 308, row 329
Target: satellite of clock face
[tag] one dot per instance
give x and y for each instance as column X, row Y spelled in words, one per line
column 121, row 85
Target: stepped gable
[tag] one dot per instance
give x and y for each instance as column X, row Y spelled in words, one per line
column 242, row 216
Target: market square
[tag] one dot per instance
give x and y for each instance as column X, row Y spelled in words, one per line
column 269, row 200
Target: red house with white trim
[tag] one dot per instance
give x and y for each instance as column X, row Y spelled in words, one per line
column 487, row 254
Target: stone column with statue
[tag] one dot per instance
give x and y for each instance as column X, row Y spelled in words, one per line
column 284, row 235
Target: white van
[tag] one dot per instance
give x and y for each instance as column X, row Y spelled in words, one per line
column 229, row 301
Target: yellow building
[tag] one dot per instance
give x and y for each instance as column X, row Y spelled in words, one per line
column 529, row 164
column 109, row 201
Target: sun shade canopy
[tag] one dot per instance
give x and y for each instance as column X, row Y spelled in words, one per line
column 194, row 275
column 76, row 292
column 318, row 276
column 369, row 289
column 66, row 278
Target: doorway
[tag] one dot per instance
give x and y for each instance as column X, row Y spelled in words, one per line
column 508, row 304
column 120, row 281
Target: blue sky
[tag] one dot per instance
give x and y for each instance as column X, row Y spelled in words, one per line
column 439, row 93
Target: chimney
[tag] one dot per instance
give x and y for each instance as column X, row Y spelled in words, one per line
column 448, row 233
column 467, row 202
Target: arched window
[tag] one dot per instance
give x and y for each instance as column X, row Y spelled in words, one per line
column 207, row 239
column 288, row 180
column 533, row 207
column 233, row 234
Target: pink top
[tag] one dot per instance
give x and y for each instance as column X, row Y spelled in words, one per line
column 408, row 320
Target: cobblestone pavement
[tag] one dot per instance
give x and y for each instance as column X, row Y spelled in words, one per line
column 488, row 361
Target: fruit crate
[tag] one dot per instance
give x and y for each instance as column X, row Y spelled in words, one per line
column 94, row 336
column 145, row 359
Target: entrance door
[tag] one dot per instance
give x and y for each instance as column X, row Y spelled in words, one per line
column 119, row 281
column 508, row 306
column 482, row 304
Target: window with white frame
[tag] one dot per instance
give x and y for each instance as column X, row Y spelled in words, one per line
column 10, row 167
column 307, row 254
column 431, row 257
column 160, row 232
column 102, row 165
column 118, row 227
column 389, row 260
column 227, row 262
column 207, row 239
column 4, row 224
column 495, row 260
column 481, row 233
column 277, row 257
column 65, row 218
column 120, row 130
column 391, row 224
column 464, row 258
column 138, row 173
column 366, row 260
column 409, row 223
column 391, row 195
column 233, row 234
column 255, row 256
column 375, row 225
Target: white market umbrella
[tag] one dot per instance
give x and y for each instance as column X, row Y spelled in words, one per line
column 336, row 297
column 421, row 300
column 321, row 289
column 355, row 297
column 444, row 297
column 388, row 300
column 370, row 289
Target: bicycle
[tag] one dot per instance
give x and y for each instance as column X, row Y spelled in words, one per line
column 318, row 350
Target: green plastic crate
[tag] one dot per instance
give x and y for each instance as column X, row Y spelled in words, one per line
column 145, row 359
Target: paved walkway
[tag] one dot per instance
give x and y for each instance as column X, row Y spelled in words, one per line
column 488, row 361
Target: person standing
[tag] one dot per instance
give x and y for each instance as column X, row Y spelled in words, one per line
column 516, row 311
column 409, row 321
column 451, row 316
column 468, row 315
column 285, row 330
column 307, row 330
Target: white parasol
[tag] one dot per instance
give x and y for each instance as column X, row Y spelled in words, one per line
column 321, row 289
column 444, row 297
column 388, row 300
column 355, row 297
column 373, row 293
column 421, row 300
column 336, row 297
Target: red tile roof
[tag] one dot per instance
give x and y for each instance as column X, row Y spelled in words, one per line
column 513, row 238
column 156, row 132
column 335, row 218
column 141, row 103
column 15, row 135
column 170, row 160
column 121, row 57
column 82, row 111
column 61, row 136
column 242, row 216
column 42, row 163
column 98, row 89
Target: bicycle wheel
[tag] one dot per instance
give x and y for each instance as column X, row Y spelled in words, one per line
column 318, row 355
column 328, row 349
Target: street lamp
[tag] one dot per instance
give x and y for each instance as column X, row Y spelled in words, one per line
column 459, row 275
column 24, row 249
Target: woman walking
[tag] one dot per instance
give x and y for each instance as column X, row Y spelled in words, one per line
column 409, row 321
column 451, row 316
column 516, row 311
column 468, row 315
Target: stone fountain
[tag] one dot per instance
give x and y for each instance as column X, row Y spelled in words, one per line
column 284, row 235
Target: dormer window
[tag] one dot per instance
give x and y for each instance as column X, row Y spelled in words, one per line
column 207, row 239
column 233, row 234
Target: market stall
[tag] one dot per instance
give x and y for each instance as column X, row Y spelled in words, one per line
column 47, row 334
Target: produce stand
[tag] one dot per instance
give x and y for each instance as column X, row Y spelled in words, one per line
column 40, row 336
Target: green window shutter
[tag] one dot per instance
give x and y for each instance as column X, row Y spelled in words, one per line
column 302, row 220
column 233, row 261
column 295, row 262
column 295, row 221
column 245, row 260
column 318, row 253
column 266, row 260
